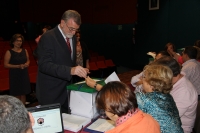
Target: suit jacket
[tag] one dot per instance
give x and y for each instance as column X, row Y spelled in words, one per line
column 54, row 63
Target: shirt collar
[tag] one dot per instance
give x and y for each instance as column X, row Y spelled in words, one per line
column 190, row 60
column 124, row 118
column 62, row 32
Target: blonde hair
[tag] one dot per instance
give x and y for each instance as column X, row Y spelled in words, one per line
column 159, row 76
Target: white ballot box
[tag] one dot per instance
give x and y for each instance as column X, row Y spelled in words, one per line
column 82, row 99
column 83, row 104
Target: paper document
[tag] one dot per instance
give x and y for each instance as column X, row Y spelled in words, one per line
column 112, row 77
column 84, row 81
column 152, row 54
column 101, row 125
column 74, row 123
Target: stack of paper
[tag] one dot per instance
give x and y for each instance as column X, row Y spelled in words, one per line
column 74, row 123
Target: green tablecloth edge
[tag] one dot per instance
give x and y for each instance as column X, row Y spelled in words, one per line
column 83, row 87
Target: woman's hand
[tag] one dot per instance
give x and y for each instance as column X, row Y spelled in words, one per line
column 21, row 66
column 26, row 65
column 90, row 82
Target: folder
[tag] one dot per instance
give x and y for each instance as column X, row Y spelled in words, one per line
column 100, row 126
column 74, row 123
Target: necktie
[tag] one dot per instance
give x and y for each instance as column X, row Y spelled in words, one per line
column 68, row 44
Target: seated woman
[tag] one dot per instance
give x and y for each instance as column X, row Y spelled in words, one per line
column 156, row 100
column 136, row 80
column 170, row 47
column 179, row 58
column 120, row 105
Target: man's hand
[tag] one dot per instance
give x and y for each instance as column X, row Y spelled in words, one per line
column 32, row 120
column 79, row 71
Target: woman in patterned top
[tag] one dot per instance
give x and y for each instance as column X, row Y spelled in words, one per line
column 120, row 105
column 156, row 100
column 82, row 55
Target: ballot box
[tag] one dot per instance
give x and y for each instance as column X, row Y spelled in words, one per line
column 82, row 99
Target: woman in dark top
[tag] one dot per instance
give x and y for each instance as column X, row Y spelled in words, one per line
column 17, row 60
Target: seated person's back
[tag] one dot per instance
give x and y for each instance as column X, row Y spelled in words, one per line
column 14, row 117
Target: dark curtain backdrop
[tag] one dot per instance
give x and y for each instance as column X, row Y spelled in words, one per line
column 92, row 11
column 176, row 21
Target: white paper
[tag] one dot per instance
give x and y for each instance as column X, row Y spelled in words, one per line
column 152, row 54
column 84, row 81
column 74, row 123
column 112, row 77
column 102, row 125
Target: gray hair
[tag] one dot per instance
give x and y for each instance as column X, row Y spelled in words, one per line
column 72, row 14
column 13, row 115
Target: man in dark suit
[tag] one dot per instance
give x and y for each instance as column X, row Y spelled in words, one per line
column 56, row 53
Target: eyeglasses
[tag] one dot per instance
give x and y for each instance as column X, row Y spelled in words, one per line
column 102, row 113
column 72, row 29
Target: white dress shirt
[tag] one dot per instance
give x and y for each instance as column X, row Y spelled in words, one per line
column 191, row 68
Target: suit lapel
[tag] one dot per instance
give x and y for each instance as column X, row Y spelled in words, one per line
column 62, row 42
